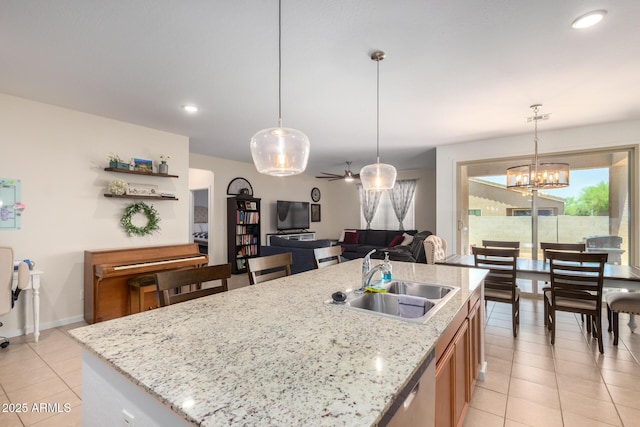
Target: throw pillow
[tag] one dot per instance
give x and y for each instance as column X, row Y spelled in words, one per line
column 341, row 238
column 350, row 238
column 406, row 239
column 396, row 241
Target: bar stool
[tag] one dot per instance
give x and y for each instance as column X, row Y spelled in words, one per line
column 621, row 302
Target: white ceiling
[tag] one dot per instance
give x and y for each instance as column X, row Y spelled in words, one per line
column 455, row 70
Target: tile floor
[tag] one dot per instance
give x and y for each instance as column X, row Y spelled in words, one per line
column 529, row 382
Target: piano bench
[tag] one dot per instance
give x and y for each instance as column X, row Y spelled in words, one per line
column 139, row 287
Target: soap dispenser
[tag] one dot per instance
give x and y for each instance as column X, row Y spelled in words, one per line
column 386, row 268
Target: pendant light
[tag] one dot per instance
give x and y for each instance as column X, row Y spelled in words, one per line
column 538, row 176
column 378, row 176
column 280, row 151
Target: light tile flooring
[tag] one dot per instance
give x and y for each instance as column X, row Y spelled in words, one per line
column 529, row 382
column 48, row 371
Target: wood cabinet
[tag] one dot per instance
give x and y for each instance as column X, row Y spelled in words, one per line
column 243, row 231
column 459, row 356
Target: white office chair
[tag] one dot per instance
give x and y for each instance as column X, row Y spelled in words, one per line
column 6, row 280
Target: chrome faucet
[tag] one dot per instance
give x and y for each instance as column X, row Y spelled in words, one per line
column 367, row 278
column 366, row 267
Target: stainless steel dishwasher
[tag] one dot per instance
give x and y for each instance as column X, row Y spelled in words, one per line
column 416, row 405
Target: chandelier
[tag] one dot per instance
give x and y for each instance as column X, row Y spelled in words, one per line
column 378, row 176
column 280, row 151
column 538, row 176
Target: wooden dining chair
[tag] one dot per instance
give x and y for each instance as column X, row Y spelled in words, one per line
column 500, row 244
column 262, row 269
column 500, row 284
column 174, row 280
column 566, row 247
column 324, row 257
column 576, row 287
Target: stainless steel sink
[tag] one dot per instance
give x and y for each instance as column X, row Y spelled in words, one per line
column 417, row 289
column 388, row 304
column 384, row 303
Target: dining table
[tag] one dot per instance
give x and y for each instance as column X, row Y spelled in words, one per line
column 616, row 277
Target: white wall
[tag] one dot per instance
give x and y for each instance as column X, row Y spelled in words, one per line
column 566, row 140
column 59, row 155
column 269, row 189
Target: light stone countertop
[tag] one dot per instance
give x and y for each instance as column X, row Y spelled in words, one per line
column 276, row 353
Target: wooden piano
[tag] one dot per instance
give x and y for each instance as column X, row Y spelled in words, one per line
column 106, row 272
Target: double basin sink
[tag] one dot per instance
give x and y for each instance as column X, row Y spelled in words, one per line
column 399, row 292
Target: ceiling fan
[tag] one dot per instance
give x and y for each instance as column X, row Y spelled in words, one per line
column 348, row 175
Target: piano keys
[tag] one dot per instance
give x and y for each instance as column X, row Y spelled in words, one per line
column 106, row 272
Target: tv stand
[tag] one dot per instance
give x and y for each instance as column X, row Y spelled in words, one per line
column 292, row 235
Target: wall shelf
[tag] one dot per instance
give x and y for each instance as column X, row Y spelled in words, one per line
column 133, row 196
column 161, row 175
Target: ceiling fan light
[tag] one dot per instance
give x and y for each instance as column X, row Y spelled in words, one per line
column 378, row 176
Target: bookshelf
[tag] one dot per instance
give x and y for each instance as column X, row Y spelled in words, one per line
column 243, row 231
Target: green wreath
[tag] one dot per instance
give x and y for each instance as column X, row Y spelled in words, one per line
column 149, row 211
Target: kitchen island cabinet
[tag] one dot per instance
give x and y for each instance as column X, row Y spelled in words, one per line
column 271, row 354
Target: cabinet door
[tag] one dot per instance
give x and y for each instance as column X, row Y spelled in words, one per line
column 461, row 373
column 444, row 389
column 452, row 380
column 475, row 329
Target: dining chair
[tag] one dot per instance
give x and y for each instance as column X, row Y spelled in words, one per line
column 262, row 269
column 576, row 287
column 174, row 280
column 621, row 302
column 500, row 244
column 435, row 249
column 566, row 247
column 324, row 257
column 500, row 284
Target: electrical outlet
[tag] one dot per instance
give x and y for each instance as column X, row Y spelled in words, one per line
column 127, row 419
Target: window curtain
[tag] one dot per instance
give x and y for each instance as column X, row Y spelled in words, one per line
column 401, row 197
column 369, row 201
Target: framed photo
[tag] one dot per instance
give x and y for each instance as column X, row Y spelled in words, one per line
column 142, row 165
column 315, row 212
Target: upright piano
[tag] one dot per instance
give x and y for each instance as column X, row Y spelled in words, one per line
column 106, row 273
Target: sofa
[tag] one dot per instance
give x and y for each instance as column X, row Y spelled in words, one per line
column 384, row 241
column 301, row 251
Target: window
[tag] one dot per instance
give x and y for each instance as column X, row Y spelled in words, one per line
column 385, row 218
column 475, row 212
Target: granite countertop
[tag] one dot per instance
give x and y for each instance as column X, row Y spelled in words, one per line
column 276, row 353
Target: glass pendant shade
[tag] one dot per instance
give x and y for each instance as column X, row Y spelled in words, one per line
column 549, row 176
column 378, row 176
column 280, row 151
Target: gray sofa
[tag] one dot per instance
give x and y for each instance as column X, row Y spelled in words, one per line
column 301, row 251
column 380, row 240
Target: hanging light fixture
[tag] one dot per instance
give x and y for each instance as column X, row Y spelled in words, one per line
column 280, row 151
column 378, row 176
column 538, row 176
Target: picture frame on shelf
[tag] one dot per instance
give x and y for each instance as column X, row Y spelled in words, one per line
column 142, row 190
column 315, row 212
column 142, row 165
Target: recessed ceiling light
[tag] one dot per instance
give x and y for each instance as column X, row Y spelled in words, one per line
column 190, row 108
column 589, row 19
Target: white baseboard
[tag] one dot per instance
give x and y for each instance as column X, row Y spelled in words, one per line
column 43, row 326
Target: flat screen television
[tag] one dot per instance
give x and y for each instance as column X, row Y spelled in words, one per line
column 292, row 215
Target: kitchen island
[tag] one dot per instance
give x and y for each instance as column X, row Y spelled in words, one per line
column 269, row 354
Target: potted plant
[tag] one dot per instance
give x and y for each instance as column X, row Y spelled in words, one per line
column 116, row 162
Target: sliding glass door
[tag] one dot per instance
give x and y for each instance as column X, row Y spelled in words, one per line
column 594, row 209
